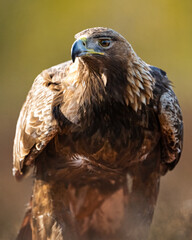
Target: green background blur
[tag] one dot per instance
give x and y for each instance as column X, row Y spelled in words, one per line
column 35, row 35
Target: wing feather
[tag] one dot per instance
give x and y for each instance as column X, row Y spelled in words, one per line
column 36, row 124
column 171, row 123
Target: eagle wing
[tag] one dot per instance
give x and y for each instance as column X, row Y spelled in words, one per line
column 170, row 119
column 171, row 123
column 36, row 124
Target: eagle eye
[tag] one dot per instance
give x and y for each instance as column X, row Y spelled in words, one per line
column 104, row 42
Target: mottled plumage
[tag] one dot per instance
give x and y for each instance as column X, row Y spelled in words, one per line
column 99, row 132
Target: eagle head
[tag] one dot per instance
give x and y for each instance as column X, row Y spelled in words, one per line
column 100, row 43
column 113, row 66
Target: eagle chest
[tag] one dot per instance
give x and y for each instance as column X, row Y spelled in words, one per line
column 109, row 138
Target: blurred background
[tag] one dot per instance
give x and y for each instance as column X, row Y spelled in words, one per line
column 35, row 35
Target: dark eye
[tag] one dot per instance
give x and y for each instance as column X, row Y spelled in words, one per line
column 104, row 42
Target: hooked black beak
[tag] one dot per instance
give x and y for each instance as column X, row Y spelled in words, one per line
column 79, row 49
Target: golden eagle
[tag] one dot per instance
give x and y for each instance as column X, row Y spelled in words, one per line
column 99, row 132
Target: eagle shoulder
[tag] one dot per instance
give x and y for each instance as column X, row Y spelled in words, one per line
column 36, row 124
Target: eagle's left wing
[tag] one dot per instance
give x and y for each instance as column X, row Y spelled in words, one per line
column 170, row 119
column 171, row 123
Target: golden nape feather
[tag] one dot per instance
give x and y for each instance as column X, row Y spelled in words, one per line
column 98, row 131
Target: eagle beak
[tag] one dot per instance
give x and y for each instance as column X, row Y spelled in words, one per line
column 79, row 49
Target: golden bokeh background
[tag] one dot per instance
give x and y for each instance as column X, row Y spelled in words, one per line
column 35, row 35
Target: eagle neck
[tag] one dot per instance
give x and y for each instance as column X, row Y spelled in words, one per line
column 140, row 83
column 92, row 85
